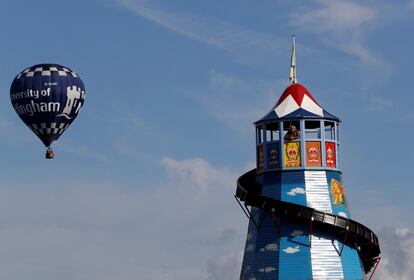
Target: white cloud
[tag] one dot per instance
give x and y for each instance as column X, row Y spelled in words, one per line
column 403, row 232
column 295, row 191
column 102, row 230
column 270, row 247
column 397, row 250
column 250, row 248
column 291, row 250
column 296, row 233
column 267, row 269
column 342, row 214
column 200, row 172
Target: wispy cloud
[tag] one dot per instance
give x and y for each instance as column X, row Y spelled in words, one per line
column 199, row 172
column 336, row 16
column 14, row 131
column 378, row 103
column 239, row 42
column 409, row 116
column 397, row 246
column 238, row 102
column 135, row 132
column 82, row 151
column 340, row 24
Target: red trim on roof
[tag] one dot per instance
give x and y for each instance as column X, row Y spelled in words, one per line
column 298, row 92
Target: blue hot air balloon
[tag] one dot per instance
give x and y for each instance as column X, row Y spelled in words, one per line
column 48, row 98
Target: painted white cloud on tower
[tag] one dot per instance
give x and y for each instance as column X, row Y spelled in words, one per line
column 342, row 214
column 296, row 191
column 291, row 250
column 296, row 233
column 272, row 247
column 267, row 269
column 250, row 248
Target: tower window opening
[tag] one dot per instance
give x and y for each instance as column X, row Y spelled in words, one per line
column 330, row 133
column 268, row 135
column 291, row 130
column 313, row 129
column 259, row 137
column 272, row 132
column 337, row 132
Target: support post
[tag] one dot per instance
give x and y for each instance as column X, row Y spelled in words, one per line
column 375, row 268
column 310, row 232
column 345, row 237
column 247, row 212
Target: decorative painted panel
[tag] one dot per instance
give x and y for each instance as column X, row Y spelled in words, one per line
column 260, row 158
column 273, row 151
column 330, row 154
column 337, row 194
column 313, row 153
column 292, row 154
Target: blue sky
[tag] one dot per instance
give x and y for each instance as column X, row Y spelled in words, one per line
column 143, row 180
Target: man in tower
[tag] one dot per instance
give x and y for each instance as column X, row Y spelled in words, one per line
column 292, row 134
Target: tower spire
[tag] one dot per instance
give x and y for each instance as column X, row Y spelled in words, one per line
column 292, row 74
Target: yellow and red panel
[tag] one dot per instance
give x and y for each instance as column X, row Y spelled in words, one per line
column 292, row 154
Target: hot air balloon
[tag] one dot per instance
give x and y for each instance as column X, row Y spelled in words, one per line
column 48, row 98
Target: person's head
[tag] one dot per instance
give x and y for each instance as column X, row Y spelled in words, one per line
column 293, row 128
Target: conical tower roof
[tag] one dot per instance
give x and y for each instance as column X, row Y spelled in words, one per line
column 297, row 102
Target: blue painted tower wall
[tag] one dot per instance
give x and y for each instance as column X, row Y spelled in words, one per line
column 280, row 248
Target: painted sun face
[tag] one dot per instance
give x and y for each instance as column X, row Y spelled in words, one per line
column 338, row 192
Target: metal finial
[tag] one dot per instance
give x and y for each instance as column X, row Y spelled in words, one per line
column 292, row 74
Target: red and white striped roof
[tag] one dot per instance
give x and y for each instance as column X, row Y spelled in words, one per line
column 297, row 97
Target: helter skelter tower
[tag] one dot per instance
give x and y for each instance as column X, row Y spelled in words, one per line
column 300, row 226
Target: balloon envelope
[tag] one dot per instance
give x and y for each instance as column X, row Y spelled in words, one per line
column 47, row 97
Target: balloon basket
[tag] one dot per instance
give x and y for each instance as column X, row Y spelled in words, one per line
column 49, row 154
